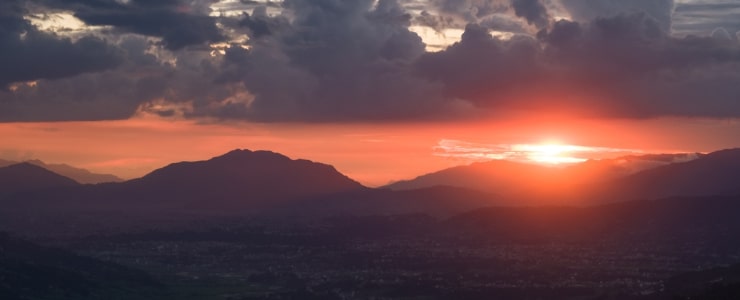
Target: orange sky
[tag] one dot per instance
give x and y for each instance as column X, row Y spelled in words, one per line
column 370, row 153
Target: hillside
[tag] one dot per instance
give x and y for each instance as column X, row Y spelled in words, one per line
column 25, row 177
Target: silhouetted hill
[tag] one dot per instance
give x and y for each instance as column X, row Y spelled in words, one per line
column 716, row 173
column 243, row 179
column 596, row 181
column 77, row 174
column 254, row 183
column 25, row 176
column 239, row 183
column 29, row 271
column 504, row 177
column 497, row 176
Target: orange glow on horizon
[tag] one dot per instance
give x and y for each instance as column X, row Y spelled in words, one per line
column 374, row 154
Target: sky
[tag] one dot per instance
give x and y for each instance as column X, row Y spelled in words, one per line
column 383, row 90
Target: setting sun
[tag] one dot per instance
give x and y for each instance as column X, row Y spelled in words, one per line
column 552, row 152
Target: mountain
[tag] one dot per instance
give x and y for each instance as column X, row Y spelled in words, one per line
column 25, row 176
column 78, row 174
column 244, row 178
column 30, row 271
column 504, row 177
column 716, row 173
column 497, row 176
column 604, row 180
column 238, row 182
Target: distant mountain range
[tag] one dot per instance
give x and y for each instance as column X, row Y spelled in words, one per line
column 80, row 175
column 25, row 176
column 624, row 178
column 251, row 183
column 501, row 176
column 240, row 181
column 716, row 173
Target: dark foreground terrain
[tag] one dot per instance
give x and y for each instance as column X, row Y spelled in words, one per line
column 676, row 248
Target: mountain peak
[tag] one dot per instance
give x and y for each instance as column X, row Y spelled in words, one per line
column 245, row 177
column 238, row 154
column 26, row 176
column 25, row 168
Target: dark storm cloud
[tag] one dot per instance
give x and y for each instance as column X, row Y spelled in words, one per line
column 703, row 18
column 29, row 54
column 357, row 60
column 336, row 61
column 260, row 24
column 470, row 10
column 117, row 94
column 178, row 23
column 481, row 66
column 621, row 66
column 533, row 11
column 586, row 10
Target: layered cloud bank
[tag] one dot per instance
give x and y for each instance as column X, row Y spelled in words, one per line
column 360, row 60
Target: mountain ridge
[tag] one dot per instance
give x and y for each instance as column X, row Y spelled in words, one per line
column 26, row 176
column 80, row 175
column 596, row 181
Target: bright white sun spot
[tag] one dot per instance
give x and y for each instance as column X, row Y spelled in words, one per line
column 550, row 152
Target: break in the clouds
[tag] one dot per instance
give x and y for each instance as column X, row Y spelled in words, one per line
column 529, row 153
column 30, row 54
column 361, row 60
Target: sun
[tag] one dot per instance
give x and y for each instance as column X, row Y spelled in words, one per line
column 551, row 152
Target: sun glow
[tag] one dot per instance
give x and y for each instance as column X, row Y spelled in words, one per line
column 551, row 153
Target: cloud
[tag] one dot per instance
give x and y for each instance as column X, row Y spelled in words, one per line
column 335, row 61
column 29, row 54
column 178, row 23
column 587, row 10
column 436, row 22
column 481, row 68
column 700, row 18
column 533, row 11
column 357, row 60
column 470, row 10
column 119, row 92
column 638, row 70
column 260, row 24
column 539, row 153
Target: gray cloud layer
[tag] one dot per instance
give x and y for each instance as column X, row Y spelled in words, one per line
column 29, row 54
column 355, row 60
